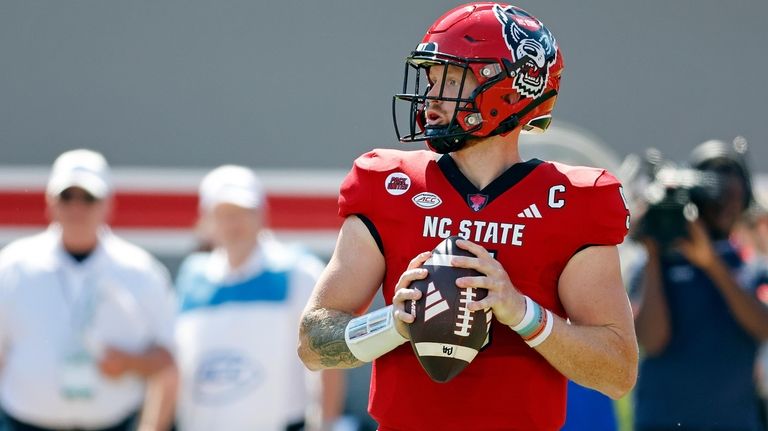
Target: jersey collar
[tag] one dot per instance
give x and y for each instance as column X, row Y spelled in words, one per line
column 478, row 199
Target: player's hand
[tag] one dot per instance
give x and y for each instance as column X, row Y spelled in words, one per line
column 404, row 293
column 697, row 248
column 507, row 302
column 114, row 363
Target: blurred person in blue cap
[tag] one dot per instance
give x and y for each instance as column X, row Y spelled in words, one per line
column 238, row 321
column 699, row 321
column 86, row 319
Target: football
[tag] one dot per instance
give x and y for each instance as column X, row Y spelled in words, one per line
column 446, row 336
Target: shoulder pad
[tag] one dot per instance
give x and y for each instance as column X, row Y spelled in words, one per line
column 381, row 160
column 582, row 176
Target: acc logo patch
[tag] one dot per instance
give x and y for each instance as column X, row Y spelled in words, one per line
column 427, row 200
column 397, row 183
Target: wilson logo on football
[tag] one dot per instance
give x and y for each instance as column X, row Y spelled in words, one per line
column 397, row 183
column 427, row 200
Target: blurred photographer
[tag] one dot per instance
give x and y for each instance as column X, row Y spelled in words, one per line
column 698, row 319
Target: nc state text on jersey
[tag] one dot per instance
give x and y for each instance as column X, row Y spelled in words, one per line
column 488, row 232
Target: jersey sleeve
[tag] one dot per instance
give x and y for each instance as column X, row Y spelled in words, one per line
column 608, row 212
column 361, row 191
column 355, row 195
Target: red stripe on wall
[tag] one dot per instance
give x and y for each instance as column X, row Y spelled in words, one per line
column 175, row 210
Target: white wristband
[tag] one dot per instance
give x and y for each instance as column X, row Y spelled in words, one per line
column 528, row 316
column 545, row 333
column 372, row 335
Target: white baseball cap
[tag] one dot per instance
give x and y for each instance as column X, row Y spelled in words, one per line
column 80, row 168
column 230, row 184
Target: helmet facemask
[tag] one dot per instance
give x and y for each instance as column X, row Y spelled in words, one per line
column 464, row 119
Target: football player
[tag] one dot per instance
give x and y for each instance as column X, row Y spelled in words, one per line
column 543, row 234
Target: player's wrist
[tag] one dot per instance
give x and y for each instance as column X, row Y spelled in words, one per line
column 402, row 328
column 536, row 325
column 373, row 334
column 522, row 307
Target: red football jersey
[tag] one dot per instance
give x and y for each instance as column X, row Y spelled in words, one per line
column 533, row 218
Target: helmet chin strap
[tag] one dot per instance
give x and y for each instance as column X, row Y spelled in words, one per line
column 445, row 139
column 513, row 121
column 449, row 138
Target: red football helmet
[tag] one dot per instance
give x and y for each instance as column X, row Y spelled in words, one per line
column 514, row 59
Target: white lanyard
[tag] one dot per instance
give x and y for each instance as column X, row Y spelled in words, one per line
column 79, row 375
column 80, row 296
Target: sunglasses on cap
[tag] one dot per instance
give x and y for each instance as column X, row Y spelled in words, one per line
column 70, row 195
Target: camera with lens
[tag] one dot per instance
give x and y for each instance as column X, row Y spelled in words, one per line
column 673, row 195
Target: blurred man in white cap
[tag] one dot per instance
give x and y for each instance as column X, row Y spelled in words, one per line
column 86, row 319
column 238, row 321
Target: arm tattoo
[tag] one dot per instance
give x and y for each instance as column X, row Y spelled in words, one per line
column 324, row 329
